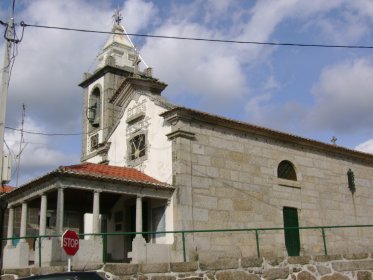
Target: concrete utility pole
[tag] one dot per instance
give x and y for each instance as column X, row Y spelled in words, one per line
column 4, row 90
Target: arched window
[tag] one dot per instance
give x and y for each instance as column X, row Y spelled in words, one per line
column 94, row 109
column 286, row 170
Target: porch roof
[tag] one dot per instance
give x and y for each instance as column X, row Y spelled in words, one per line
column 130, row 175
column 124, row 176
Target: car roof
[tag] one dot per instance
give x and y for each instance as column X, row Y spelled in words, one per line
column 77, row 275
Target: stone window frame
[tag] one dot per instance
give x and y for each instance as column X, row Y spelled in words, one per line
column 95, row 95
column 138, row 160
column 287, row 182
column 286, row 170
column 93, row 145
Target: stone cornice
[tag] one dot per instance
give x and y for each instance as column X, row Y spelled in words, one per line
column 123, row 71
column 131, row 84
column 190, row 115
column 182, row 134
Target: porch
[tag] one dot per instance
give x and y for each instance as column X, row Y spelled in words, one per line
column 90, row 205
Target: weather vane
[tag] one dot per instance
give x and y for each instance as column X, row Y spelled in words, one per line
column 117, row 16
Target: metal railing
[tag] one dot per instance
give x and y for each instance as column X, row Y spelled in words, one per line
column 183, row 233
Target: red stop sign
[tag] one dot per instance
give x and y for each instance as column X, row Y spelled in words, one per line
column 70, row 242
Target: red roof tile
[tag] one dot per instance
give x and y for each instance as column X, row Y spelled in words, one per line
column 130, row 174
column 6, row 189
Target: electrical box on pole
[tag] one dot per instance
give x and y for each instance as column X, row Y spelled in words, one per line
column 7, row 169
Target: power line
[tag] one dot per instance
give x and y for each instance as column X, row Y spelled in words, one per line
column 45, row 134
column 23, row 24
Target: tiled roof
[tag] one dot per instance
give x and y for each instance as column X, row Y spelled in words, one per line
column 5, row 189
column 109, row 171
column 97, row 172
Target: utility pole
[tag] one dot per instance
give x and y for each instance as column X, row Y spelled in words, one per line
column 4, row 89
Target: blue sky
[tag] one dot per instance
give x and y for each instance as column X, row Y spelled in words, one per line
column 316, row 93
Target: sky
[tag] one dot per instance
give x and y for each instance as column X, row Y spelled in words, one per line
column 315, row 93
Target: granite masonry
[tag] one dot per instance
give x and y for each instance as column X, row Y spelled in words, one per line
column 332, row 267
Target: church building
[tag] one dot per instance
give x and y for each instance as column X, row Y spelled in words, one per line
column 196, row 185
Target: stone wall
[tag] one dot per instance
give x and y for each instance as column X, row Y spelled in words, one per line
column 227, row 179
column 335, row 267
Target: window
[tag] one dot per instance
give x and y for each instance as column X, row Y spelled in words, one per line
column 285, row 170
column 137, row 147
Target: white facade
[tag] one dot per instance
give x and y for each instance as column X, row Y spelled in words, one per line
column 122, row 108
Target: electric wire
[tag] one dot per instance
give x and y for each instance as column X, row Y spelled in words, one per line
column 129, row 39
column 23, row 24
column 45, row 134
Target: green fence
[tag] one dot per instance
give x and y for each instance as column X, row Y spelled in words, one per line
column 184, row 233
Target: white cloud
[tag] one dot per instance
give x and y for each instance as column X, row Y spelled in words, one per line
column 363, row 7
column 366, row 146
column 344, row 97
column 353, row 28
column 138, row 14
column 256, row 109
column 50, row 63
column 216, row 9
column 195, row 67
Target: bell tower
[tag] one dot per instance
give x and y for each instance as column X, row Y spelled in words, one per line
column 116, row 62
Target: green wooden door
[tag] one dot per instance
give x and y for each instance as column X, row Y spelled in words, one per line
column 292, row 240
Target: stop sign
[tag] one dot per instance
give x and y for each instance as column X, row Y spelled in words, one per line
column 70, row 242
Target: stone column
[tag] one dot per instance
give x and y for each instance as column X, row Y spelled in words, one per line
column 60, row 211
column 139, row 213
column 23, row 222
column 43, row 215
column 139, row 249
column 10, row 226
column 96, row 212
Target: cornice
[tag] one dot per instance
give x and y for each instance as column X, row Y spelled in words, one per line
column 190, row 115
column 123, row 71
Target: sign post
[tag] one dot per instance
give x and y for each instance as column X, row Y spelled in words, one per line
column 70, row 243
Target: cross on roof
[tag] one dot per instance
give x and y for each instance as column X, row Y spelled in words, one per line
column 117, row 16
column 334, row 140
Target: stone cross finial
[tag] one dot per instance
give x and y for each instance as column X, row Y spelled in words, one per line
column 117, row 16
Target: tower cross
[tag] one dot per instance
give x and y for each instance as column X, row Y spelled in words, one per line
column 117, row 16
